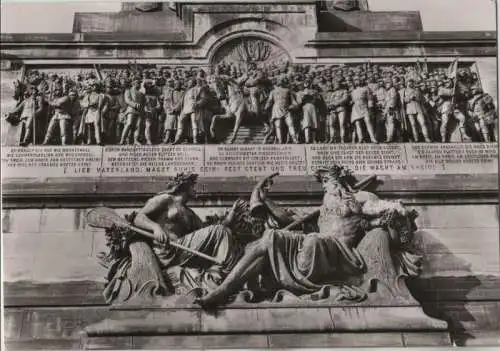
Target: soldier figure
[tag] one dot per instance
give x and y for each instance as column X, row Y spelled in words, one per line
column 390, row 110
column 151, row 111
column 111, row 112
column 254, row 84
column 53, row 86
column 413, row 103
column 189, row 112
column 446, row 94
column 66, row 109
column 307, row 98
column 432, row 101
column 379, row 107
column 282, row 101
column 122, row 116
column 172, row 100
column 29, row 110
column 339, row 100
column 362, row 102
column 135, row 101
column 330, row 115
column 483, row 112
column 204, row 107
column 93, row 103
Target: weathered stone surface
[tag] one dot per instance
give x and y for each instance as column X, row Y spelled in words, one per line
column 383, row 318
column 149, row 322
column 18, row 268
column 293, row 191
column 23, row 221
column 107, row 343
column 426, row 339
column 457, row 216
column 32, row 294
column 127, row 21
column 260, row 320
column 267, row 320
column 13, row 320
column 86, row 293
column 324, row 340
column 48, row 324
column 58, row 323
column 62, row 220
column 43, row 344
column 331, row 46
column 480, row 338
column 457, row 288
column 173, row 342
column 336, row 21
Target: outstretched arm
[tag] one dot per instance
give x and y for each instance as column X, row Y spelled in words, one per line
column 262, row 206
column 373, row 206
column 390, row 215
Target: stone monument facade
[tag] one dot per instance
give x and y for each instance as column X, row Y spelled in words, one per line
column 142, row 153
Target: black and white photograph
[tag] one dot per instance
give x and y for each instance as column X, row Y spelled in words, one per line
column 249, row 175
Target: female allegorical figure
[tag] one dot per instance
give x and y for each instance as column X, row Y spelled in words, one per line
column 305, row 263
column 168, row 216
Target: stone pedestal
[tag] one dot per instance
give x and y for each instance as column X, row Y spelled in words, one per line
column 266, row 326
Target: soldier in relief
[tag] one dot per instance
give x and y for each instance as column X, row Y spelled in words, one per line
column 28, row 110
column 413, row 107
column 135, row 101
column 281, row 100
column 361, row 104
column 66, row 111
column 172, row 100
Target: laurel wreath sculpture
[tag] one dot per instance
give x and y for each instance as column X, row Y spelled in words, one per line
column 117, row 242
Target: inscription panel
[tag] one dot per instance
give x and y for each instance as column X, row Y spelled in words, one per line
column 50, row 161
column 407, row 159
column 453, row 158
column 254, row 160
column 247, row 160
column 360, row 158
column 158, row 160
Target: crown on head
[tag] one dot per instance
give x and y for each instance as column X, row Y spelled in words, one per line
column 181, row 179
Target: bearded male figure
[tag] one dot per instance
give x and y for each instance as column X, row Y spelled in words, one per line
column 351, row 255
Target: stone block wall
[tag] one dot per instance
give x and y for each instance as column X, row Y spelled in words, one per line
column 53, row 282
